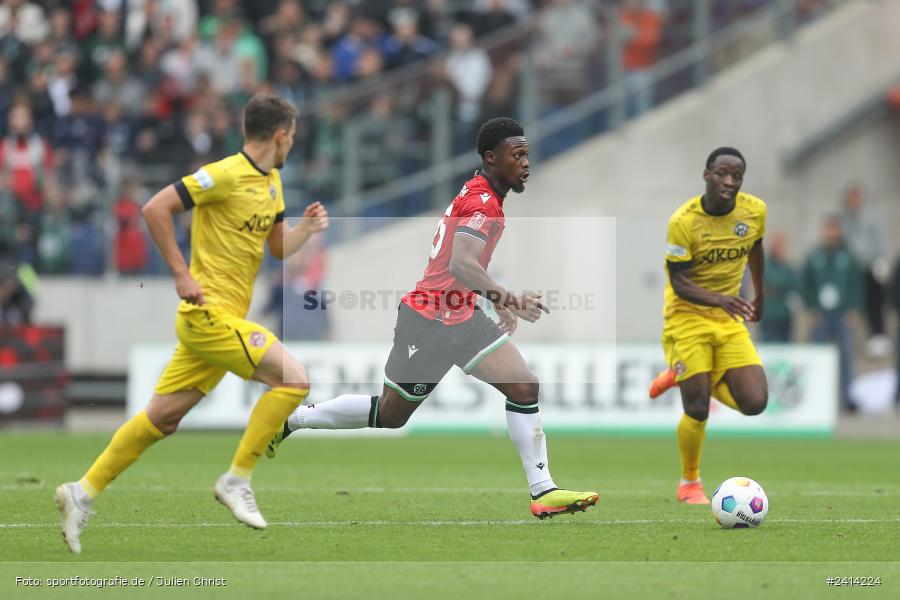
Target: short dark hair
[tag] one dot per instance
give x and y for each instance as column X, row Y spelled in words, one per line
column 725, row 151
column 265, row 114
column 495, row 131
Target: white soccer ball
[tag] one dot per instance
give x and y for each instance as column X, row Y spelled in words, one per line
column 739, row 502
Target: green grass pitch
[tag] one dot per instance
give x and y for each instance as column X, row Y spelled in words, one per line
column 447, row 517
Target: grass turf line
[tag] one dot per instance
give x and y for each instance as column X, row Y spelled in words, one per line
column 445, row 499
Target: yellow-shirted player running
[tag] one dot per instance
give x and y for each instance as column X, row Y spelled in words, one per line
column 711, row 240
column 238, row 206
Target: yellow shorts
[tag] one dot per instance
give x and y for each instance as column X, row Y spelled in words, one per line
column 694, row 344
column 211, row 343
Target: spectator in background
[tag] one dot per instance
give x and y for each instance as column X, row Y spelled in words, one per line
column 159, row 19
column 118, row 84
column 364, row 35
column 223, row 64
column 54, row 243
column 894, row 294
column 642, row 30
column 865, row 239
column 60, row 35
column 568, row 37
column 107, row 39
column 780, row 285
column 26, row 158
column 16, row 288
column 7, row 96
column 832, row 294
column 79, row 141
column 27, row 19
column 61, row 81
column 13, row 50
column 288, row 18
column 406, row 45
column 303, row 272
column 15, row 232
column 117, row 131
column 130, row 242
column 469, row 70
column 491, row 16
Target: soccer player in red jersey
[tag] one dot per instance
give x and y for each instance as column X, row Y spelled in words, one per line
column 439, row 325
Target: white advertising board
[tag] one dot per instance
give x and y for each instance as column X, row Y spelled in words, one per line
column 583, row 388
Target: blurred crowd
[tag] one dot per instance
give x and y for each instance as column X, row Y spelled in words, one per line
column 104, row 101
column 845, row 285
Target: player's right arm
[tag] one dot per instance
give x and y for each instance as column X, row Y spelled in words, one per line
column 159, row 214
column 679, row 263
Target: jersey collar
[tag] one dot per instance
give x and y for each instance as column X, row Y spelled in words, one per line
column 705, row 212
column 253, row 164
column 500, row 196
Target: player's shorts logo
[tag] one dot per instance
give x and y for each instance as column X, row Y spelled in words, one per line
column 741, row 229
column 257, row 339
column 419, row 389
column 679, row 368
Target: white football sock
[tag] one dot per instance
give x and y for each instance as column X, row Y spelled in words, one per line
column 527, row 434
column 349, row 411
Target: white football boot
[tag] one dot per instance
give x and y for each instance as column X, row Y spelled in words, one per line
column 73, row 517
column 239, row 499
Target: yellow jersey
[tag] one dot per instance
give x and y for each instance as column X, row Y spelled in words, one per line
column 715, row 249
column 236, row 205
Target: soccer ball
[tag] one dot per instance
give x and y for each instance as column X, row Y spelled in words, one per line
column 739, row 503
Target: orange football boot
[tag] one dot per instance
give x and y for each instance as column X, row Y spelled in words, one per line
column 663, row 382
column 692, row 493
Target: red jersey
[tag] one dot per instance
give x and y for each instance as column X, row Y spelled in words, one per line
column 477, row 211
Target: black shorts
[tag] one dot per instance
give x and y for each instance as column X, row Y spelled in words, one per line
column 424, row 350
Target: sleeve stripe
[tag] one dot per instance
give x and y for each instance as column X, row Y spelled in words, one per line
column 184, row 194
column 471, row 232
column 279, row 217
column 679, row 265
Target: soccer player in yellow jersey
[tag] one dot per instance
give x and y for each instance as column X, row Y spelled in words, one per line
column 238, row 208
column 711, row 240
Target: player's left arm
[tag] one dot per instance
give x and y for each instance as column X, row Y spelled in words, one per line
column 757, row 262
column 284, row 242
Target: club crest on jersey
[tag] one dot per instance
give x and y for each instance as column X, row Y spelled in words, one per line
column 476, row 221
column 257, row 339
column 741, row 229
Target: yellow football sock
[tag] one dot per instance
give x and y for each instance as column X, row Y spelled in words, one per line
column 126, row 445
column 267, row 418
column 723, row 395
column 690, row 433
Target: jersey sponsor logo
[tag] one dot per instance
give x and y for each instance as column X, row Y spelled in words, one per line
column 204, row 179
column 476, row 221
column 741, row 229
column 485, row 198
column 257, row 339
column 717, row 255
column 258, row 224
column 676, row 250
column 412, row 350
